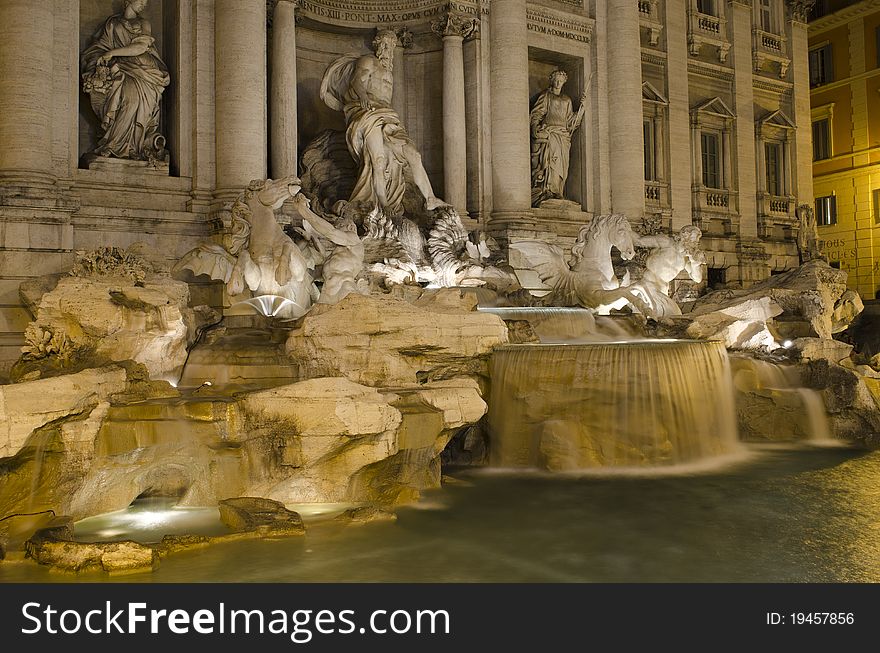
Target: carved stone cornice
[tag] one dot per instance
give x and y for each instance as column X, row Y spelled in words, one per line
column 709, row 70
column 376, row 13
column 542, row 20
column 454, row 23
column 800, row 9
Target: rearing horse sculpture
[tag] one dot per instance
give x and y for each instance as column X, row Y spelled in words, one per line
column 261, row 256
column 590, row 281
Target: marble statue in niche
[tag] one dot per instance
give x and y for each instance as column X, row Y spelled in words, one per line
column 124, row 77
column 361, row 87
column 668, row 258
column 553, row 121
column 808, row 234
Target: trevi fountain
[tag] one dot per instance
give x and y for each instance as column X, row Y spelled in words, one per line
column 389, row 392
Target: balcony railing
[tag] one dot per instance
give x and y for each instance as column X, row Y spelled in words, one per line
column 656, row 194
column 769, row 49
column 705, row 29
column 717, row 199
column 707, row 23
column 645, row 7
column 770, row 42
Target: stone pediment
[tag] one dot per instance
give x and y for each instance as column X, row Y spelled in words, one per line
column 716, row 106
column 651, row 94
column 776, row 119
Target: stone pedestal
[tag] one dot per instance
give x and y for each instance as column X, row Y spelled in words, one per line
column 125, row 166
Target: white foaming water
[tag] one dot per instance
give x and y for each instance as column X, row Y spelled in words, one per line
column 267, row 305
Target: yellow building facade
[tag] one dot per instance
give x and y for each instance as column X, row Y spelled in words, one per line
column 844, row 38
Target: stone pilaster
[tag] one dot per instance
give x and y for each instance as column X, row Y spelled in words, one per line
column 26, row 52
column 625, row 103
column 509, row 85
column 454, row 28
column 240, row 94
column 680, row 138
column 803, row 137
column 740, row 18
column 282, row 87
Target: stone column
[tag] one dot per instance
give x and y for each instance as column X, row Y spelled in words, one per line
column 282, row 107
column 240, row 94
column 454, row 28
column 625, row 101
column 398, row 97
column 509, row 85
column 26, row 38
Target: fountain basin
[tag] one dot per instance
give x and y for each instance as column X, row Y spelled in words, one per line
column 565, row 407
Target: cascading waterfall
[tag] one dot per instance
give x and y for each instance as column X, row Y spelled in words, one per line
column 567, row 407
column 805, row 417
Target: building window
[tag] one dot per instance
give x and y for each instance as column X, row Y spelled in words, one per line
column 826, row 210
column 650, row 149
column 767, row 17
column 876, row 195
column 707, row 7
column 711, row 160
column 877, row 42
column 821, row 139
column 773, row 165
column 821, row 70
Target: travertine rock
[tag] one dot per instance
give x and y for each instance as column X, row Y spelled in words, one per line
column 258, row 514
column 809, row 349
column 382, row 341
column 112, row 557
column 809, row 294
column 109, row 318
column 25, row 407
column 319, row 440
column 740, row 325
column 851, row 398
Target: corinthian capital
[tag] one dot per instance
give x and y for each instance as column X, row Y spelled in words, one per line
column 454, row 23
column 270, row 9
column 800, row 9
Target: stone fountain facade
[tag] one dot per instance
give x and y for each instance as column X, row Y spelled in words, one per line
column 237, row 88
column 283, row 305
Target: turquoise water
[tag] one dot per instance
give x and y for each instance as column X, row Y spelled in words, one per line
column 781, row 515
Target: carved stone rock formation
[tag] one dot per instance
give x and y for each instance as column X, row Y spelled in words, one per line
column 112, row 307
column 382, row 341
